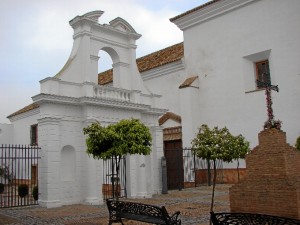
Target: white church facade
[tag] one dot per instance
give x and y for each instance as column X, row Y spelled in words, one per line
column 210, row 79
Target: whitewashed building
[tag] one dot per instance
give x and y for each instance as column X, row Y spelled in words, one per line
column 210, row 78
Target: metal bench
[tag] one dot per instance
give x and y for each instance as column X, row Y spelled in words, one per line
column 119, row 210
column 250, row 218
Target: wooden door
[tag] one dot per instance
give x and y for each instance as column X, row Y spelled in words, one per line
column 174, row 158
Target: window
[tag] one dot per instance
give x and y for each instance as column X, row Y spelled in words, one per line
column 262, row 73
column 34, row 134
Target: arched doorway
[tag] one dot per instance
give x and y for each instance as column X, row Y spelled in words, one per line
column 172, row 136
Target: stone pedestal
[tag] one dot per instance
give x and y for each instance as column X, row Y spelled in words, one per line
column 272, row 183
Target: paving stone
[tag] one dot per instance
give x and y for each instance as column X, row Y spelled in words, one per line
column 193, row 203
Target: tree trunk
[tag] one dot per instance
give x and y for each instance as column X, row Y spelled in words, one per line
column 208, row 173
column 238, row 171
column 118, row 159
column 213, row 190
column 112, row 176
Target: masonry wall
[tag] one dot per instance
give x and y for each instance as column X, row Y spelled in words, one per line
column 224, row 176
column 272, row 183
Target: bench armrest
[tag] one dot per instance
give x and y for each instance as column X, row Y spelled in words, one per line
column 174, row 218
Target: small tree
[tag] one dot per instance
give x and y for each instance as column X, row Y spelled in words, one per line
column 217, row 144
column 297, row 145
column 35, row 193
column 23, row 191
column 240, row 150
column 1, row 188
column 117, row 140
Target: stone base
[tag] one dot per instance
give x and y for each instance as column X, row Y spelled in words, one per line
column 50, row 204
column 93, row 201
column 272, row 182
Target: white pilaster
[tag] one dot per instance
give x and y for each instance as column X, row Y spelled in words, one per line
column 93, row 187
column 49, row 180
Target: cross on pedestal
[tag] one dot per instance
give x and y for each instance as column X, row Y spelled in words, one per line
column 270, row 123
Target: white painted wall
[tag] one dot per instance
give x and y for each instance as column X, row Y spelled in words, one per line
column 6, row 133
column 167, row 84
column 215, row 50
column 22, row 124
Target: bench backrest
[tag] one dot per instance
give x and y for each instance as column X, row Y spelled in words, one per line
column 249, row 218
column 137, row 209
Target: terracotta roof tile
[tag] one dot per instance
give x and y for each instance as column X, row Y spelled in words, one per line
column 188, row 82
column 161, row 57
column 105, row 77
column 194, row 10
column 148, row 62
column 25, row 109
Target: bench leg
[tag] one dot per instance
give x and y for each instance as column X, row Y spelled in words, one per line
column 116, row 221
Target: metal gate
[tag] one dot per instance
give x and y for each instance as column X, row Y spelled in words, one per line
column 18, row 175
column 109, row 175
column 199, row 171
column 186, row 170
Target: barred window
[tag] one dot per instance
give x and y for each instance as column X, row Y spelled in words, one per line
column 262, row 73
column 34, row 134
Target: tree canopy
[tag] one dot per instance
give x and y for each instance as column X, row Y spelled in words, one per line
column 215, row 143
column 128, row 136
column 297, row 145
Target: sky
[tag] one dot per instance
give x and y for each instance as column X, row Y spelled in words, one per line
column 36, row 38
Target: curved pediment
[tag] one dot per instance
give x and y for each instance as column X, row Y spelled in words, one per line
column 122, row 25
column 91, row 16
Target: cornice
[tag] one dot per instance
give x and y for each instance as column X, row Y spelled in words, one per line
column 49, row 98
column 209, row 12
column 29, row 113
column 49, row 120
column 121, row 105
column 57, row 99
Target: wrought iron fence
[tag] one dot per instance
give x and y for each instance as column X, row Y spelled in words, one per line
column 198, row 171
column 18, row 175
column 114, row 185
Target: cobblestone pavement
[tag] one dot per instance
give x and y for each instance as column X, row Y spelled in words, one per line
column 193, row 203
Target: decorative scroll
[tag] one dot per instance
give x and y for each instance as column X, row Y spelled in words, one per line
column 140, row 212
column 249, row 218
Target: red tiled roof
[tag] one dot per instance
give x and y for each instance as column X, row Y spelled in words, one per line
column 194, row 9
column 148, row 62
column 105, row 77
column 25, row 109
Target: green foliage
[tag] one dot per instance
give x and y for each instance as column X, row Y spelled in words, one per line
column 5, row 173
column 213, row 144
column 298, row 143
column 23, row 190
column 1, row 188
column 125, row 137
column 35, row 193
column 240, row 147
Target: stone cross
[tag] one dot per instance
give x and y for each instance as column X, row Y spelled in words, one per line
column 268, row 88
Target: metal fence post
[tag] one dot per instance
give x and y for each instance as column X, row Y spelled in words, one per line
column 164, row 175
